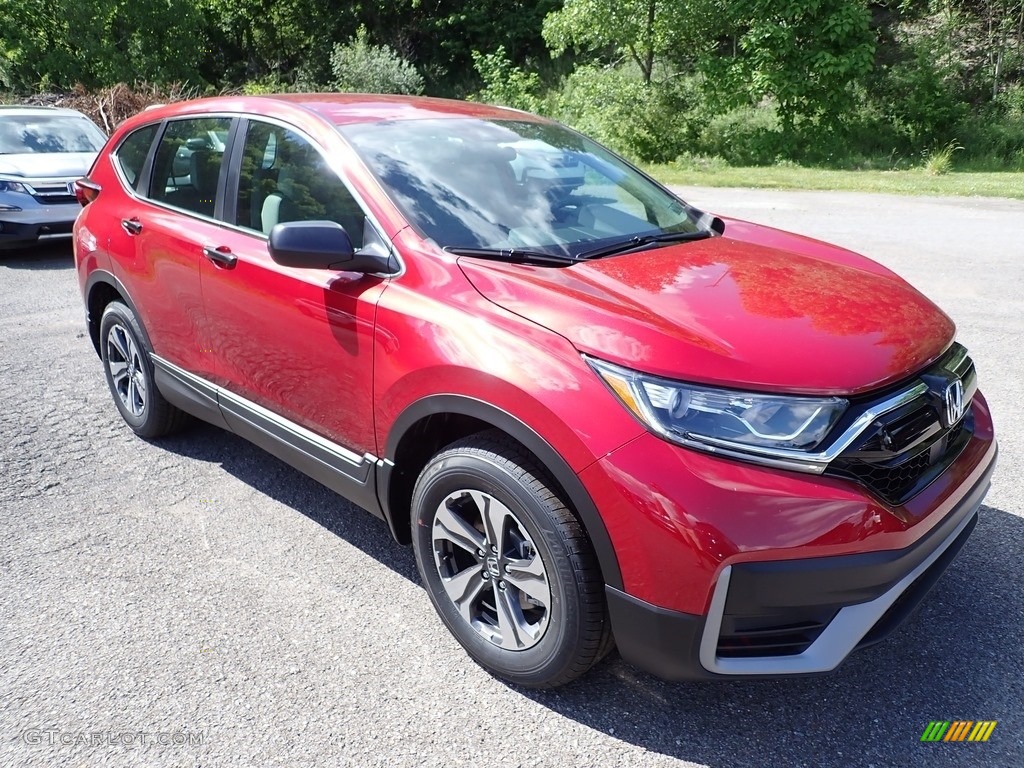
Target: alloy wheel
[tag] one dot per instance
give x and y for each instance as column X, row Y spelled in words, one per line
column 491, row 570
column 126, row 370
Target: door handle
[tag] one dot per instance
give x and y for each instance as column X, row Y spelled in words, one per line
column 131, row 226
column 222, row 256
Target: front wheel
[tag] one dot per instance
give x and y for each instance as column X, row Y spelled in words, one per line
column 508, row 567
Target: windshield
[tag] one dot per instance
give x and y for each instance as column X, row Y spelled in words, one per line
column 44, row 133
column 515, row 185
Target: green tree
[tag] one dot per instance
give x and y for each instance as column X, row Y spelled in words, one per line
column 277, row 38
column 643, row 30
column 440, row 36
column 645, row 121
column 58, row 43
column 807, row 55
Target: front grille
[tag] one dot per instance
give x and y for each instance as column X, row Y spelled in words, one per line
column 51, row 193
column 891, row 483
column 904, row 450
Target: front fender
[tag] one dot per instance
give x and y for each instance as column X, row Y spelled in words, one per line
column 552, row 460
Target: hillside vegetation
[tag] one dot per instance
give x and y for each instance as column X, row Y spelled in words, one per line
column 845, row 84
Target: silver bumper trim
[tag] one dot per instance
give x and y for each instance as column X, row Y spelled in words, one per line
column 833, row 645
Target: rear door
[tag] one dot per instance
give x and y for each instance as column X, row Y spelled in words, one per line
column 164, row 235
column 115, row 216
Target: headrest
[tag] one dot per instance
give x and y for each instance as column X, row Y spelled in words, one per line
column 286, row 178
column 205, row 171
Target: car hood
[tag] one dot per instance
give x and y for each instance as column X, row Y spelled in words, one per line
column 807, row 318
column 47, row 165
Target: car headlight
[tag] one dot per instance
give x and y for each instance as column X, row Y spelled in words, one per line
column 12, row 186
column 708, row 417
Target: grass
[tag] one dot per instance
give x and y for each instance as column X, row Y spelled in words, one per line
column 940, row 161
column 917, row 181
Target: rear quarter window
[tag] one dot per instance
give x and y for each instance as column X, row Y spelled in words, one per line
column 131, row 155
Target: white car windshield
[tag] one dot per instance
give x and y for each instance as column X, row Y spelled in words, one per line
column 45, row 133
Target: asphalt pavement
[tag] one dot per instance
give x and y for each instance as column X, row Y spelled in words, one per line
column 195, row 602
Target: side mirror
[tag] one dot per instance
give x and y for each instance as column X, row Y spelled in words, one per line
column 323, row 245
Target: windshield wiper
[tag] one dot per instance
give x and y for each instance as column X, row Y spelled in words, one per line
column 642, row 241
column 514, row 255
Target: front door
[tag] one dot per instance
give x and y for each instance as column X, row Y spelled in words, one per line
column 294, row 347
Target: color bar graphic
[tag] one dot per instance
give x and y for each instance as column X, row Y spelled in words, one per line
column 958, row 730
column 935, row 730
column 982, row 730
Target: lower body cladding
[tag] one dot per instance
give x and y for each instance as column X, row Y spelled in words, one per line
column 341, row 470
column 766, row 611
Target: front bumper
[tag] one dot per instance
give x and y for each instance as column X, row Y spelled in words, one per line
column 36, row 223
column 775, row 618
column 731, row 569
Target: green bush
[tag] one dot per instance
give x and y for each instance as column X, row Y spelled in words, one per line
column 689, row 161
column 869, row 142
column 993, row 137
column 504, row 84
column 939, row 162
column 359, row 67
column 653, row 122
column 264, row 85
column 920, row 93
column 1012, row 101
column 5, row 68
column 745, row 136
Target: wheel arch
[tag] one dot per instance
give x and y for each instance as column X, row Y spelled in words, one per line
column 101, row 288
column 433, row 422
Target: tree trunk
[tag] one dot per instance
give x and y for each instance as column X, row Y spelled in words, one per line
column 648, row 66
column 999, row 61
column 1020, row 30
column 639, row 61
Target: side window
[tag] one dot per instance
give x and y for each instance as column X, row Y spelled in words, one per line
column 284, row 178
column 186, row 168
column 131, row 155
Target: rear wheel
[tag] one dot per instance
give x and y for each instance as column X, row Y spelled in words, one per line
column 508, row 567
column 129, row 373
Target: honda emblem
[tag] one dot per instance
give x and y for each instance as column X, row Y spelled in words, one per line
column 954, row 400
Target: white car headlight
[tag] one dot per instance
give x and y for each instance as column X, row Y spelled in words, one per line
column 6, row 185
column 700, row 416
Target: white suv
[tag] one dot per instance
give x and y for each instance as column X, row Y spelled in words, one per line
column 43, row 150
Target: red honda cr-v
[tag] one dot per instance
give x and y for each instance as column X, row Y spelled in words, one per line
column 599, row 415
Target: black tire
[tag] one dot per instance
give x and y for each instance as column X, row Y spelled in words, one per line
column 134, row 390
column 556, row 640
